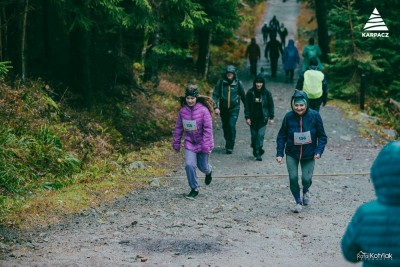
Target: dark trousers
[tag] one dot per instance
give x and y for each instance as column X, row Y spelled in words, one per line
column 290, row 74
column 257, row 136
column 229, row 118
column 253, row 67
column 315, row 104
column 274, row 66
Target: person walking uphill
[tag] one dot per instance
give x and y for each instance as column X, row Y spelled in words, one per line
column 194, row 122
column 258, row 111
column 311, row 51
column 272, row 51
column 290, row 60
column 227, row 95
column 313, row 82
column 302, row 137
column 373, row 235
column 253, row 52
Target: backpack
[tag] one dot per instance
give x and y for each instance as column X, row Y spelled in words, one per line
column 312, row 85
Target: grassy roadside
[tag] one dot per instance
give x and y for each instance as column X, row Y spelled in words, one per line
column 40, row 135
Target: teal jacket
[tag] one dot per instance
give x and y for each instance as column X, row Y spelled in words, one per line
column 375, row 227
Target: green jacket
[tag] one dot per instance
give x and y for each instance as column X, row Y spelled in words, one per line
column 375, row 227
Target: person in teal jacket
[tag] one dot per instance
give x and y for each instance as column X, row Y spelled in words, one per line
column 373, row 235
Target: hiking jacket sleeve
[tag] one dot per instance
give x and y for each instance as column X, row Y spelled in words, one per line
column 324, row 92
column 271, row 106
column 300, row 82
column 248, row 106
column 282, row 137
column 178, row 132
column 217, row 94
column 242, row 92
column 349, row 243
column 208, row 138
column 322, row 139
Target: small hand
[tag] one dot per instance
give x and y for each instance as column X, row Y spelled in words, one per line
column 317, row 156
column 217, row 111
column 271, row 122
column 248, row 121
column 279, row 160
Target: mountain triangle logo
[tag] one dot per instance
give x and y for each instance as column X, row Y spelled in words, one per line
column 375, row 22
column 375, row 26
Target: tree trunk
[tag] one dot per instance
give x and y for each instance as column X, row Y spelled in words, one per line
column 203, row 60
column 80, row 67
column 323, row 38
column 23, row 39
column 4, row 30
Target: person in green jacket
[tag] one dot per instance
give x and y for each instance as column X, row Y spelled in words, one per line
column 373, row 235
column 311, row 51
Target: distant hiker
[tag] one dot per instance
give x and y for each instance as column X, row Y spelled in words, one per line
column 313, row 82
column 258, row 111
column 265, row 33
column 311, row 51
column 273, row 26
column 373, row 234
column 194, row 123
column 227, row 95
column 290, row 60
column 283, row 32
column 272, row 51
column 302, row 137
column 253, row 52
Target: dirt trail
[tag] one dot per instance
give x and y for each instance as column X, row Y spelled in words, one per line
column 241, row 219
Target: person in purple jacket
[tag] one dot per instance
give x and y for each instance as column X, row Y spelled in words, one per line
column 194, row 123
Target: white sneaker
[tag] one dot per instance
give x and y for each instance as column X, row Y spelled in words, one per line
column 306, row 198
column 297, row 208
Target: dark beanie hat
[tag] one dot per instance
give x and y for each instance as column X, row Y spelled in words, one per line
column 192, row 90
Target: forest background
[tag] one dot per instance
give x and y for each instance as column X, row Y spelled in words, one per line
column 89, row 88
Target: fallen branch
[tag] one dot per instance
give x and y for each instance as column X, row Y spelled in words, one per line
column 394, row 103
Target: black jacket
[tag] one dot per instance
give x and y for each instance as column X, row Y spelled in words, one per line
column 267, row 103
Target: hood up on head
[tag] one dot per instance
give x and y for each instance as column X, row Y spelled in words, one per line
column 385, row 174
column 299, row 94
column 259, row 79
column 231, row 69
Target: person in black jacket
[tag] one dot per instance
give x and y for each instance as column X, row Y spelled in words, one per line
column 272, row 52
column 302, row 137
column 227, row 95
column 259, row 110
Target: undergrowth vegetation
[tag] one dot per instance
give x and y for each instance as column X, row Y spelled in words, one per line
column 57, row 159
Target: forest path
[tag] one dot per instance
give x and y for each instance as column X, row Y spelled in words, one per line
column 241, row 219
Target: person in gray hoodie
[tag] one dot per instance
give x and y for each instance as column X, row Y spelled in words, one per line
column 373, row 234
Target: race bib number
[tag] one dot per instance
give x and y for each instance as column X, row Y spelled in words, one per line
column 189, row 125
column 302, row 138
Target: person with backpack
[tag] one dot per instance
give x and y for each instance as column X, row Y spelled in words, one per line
column 314, row 84
column 253, row 52
column 227, row 95
column 258, row 111
column 290, row 60
column 194, row 123
column 311, row 51
column 302, row 138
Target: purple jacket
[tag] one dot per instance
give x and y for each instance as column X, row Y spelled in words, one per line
column 200, row 140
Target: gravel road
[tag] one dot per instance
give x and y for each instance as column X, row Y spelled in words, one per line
column 241, row 219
